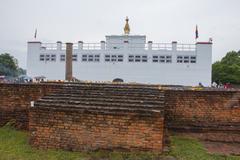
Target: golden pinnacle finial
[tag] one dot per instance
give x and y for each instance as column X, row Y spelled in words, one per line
column 127, row 28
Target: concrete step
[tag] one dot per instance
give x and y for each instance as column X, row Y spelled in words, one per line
column 108, row 96
column 106, row 87
column 98, row 103
column 103, row 93
column 110, row 91
column 125, row 85
column 105, row 98
column 98, row 108
column 101, row 99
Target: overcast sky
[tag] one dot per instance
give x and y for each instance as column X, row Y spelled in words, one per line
column 90, row 20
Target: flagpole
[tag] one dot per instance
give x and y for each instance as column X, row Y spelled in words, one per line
column 35, row 34
column 196, row 34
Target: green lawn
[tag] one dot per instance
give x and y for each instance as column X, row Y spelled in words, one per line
column 14, row 146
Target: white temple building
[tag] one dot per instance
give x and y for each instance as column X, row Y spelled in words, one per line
column 128, row 57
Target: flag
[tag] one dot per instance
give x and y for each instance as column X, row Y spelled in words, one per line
column 35, row 35
column 196, row 32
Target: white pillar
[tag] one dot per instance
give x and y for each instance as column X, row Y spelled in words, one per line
column 204, row 59
column 174, row 45
column 102, row 45
column 59, row 45
column 80, row 45
column 34, row 46
column 150, row 45
column 33, row 52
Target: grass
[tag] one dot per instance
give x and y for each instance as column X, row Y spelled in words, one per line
column 14, row 146
column 184, row 148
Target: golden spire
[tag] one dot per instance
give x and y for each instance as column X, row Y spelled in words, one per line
column 127, row 28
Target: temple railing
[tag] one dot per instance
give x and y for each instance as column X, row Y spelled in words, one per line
column 117, row 46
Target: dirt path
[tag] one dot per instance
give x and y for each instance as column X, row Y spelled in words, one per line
column 215, row 147
column 222, row 148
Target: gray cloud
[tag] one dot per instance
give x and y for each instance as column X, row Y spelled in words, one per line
column 91, row 20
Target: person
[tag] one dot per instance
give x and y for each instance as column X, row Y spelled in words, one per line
column 200, row 84
column 220, row 85
column 227, row 85
column 214, row 84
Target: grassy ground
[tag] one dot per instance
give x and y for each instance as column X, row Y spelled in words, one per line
column 14, row 146
column 191, row 149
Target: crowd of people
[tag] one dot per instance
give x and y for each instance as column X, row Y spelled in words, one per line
column 220, row 85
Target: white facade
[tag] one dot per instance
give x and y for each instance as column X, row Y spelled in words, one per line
column 128, row 57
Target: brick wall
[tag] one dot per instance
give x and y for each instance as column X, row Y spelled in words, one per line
column 15, row 101
column 78, row 130
column 216, row 113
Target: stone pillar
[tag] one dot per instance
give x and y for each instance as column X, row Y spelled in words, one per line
column 69, row 50
column 174, row 45
column 150, row 45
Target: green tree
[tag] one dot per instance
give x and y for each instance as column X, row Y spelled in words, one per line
column 228, row 69
column 8, row 65
column 21, row 71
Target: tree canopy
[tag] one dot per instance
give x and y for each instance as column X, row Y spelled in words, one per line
column 228, row 69
column 9, row 65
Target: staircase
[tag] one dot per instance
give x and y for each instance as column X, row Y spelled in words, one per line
column 107, row 98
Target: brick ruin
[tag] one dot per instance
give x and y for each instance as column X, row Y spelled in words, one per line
column 214, row 114
column 93, row 116
column 131, row 117
column 15, row 102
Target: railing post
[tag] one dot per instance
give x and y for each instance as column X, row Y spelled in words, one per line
column 102, row 45
column 80, row 45
column 150, row 45
column 125, row 44
column 59, row 45
column 174, row 45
